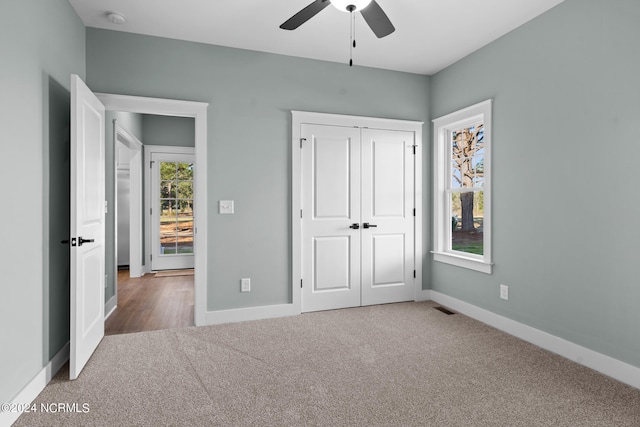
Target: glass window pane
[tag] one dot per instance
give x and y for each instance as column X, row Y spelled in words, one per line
column 168, row 243
column 467, row 157
column 184, row 225
column 185, row 244
column 167, row 189
column 184, row 190
column 167, row 171
column 184, row 171
column 456, row 178
column 477, row 163
column 467, row 218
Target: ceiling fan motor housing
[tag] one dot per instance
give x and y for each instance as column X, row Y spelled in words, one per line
column 350, row 5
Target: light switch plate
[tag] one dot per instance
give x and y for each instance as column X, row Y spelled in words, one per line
column 225, row 206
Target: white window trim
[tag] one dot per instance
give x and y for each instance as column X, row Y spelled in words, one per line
column 443, row 126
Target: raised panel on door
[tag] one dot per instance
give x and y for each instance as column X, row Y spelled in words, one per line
column 330, row 205
column 387, row 256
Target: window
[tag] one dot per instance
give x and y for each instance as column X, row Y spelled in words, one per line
column 176, row 208
column 462, row 191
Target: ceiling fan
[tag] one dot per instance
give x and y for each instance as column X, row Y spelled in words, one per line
column 369, row 9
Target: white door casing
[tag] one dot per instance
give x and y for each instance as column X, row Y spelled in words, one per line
column 87, row 223
column 381, row 160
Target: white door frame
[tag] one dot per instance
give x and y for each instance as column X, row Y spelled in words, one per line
column 122, row 135
column 149, row 151
column 304, row 117
column 197, row 110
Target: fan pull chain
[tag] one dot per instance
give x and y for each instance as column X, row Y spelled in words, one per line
column 352, row 32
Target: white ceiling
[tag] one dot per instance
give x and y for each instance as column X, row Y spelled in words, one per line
column 429, row 36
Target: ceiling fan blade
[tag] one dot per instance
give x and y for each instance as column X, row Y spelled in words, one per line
column 305, row 14
column 377, row 20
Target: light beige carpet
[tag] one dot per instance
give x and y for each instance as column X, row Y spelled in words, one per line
column 391, row 365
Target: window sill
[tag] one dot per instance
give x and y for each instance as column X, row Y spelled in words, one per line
column 464, row 262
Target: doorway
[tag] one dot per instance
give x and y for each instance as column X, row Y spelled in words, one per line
column 142, row 301
column 198, row 112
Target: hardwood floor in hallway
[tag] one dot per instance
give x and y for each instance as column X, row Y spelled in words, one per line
column 150, row 303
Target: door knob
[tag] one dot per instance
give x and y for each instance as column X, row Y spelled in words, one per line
column 355, row 226
column 367, row 225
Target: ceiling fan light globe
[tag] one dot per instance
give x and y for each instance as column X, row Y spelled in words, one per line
column 343, row 5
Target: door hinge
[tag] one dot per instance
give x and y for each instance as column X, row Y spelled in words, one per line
column 300, row 213
column 151, row 164
column 414, row 149
column 301, row 140
column 414, row 274
column 301, row 283
column 150, row 211
column 150, row 257
column 414, row 211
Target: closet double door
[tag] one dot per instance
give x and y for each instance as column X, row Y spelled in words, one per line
column 358, row 218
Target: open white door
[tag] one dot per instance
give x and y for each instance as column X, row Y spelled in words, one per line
column 87, row 224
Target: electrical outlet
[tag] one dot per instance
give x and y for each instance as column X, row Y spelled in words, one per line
column 245, row 285
column 504, row 292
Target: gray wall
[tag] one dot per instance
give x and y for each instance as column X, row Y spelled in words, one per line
column 165, row 130
column 249, row 133
column 565, row 120
column 41, row 43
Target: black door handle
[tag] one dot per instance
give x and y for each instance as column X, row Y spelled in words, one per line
column 355, row 226
column 77, row 242
column 367, row 225
column 81, row 241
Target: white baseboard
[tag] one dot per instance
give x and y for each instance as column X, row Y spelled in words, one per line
column 110, row 306
column 250, row 313
column 35, row 386
column 604, row 364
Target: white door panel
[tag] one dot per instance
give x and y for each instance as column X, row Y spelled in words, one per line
column 332, row 258
column 388, row 266
column 330, row 204
column 87, row 223
column 387, row 203
column 332, row 170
